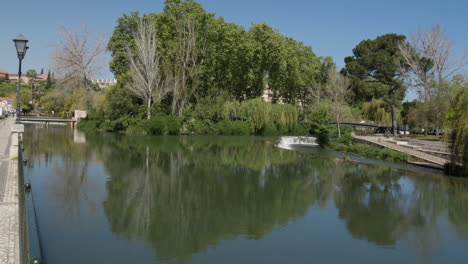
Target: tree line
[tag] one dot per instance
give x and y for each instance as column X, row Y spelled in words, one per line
column 183, row 69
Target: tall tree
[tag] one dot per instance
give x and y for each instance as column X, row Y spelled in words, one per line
column 380, row 61
column 31, row 74
column 434, row 44
column 337, row 90
column 145, row 65
column 187, row 21
column 49, row 81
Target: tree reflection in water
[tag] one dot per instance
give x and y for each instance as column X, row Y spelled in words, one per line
column 184, row 194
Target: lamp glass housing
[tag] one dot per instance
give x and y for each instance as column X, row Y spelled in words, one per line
column 21, row 48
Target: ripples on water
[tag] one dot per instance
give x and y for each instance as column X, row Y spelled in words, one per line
column 105, row 198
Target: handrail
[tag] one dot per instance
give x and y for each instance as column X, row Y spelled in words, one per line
column 30, row 246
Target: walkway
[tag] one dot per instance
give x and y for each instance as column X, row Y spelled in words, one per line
column 9, row 230
column 390, row 143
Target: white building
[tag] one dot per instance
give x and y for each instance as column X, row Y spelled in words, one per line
column 105, row 82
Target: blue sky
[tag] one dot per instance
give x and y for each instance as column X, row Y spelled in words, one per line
column 331, row 27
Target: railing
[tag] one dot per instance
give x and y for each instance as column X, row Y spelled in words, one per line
column 365, row 123
column 30, row 247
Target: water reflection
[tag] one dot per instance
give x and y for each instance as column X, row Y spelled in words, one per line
column 183, row 195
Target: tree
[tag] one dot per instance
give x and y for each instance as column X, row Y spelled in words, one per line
column 78, row 57
column 458, row 123
column 42, row 70
column 49, row 81
column 337, row 90
column 431, row 61
column 31, row 74
column 188, row 21
column 380, row 61
column 145, row 65
column 434, row 44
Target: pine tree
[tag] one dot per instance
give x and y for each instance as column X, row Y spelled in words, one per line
column 49, row 81
column 42, row 70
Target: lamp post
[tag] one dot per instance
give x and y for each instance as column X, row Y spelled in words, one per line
column 21, row 48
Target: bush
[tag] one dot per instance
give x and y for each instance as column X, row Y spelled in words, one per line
column 162, row 125
column 233, row 128
column 197, row 127
column 89, row 125
column 270, row 130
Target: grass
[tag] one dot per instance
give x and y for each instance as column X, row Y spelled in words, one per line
column 427, row 138
column 368, row 151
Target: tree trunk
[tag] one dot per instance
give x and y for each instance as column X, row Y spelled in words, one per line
column 394, row 122
column 338, row 125
column 149, row 109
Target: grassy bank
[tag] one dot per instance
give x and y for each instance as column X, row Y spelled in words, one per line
column 346, row 144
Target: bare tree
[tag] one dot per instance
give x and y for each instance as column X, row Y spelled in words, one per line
column 314, row 92
column 78, row 57
column 189, row 58
column 145, row 65
column 337, row 90
column 431, row 59
column 420, row 71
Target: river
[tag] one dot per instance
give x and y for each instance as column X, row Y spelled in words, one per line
column 108, row 198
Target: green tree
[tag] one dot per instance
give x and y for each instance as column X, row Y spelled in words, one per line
column 49, row 81
column 380, row 61
column 458, row 123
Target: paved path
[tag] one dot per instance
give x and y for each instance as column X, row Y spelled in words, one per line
column 9, row 230
column 383, row 141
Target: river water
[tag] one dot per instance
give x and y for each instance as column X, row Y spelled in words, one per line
column 106, row 198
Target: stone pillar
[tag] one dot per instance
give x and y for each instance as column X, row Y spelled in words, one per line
column 16, row 134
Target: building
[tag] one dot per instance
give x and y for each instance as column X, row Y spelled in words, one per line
column 3, row 73
column 104, row 83
column 267, row 95
column 13, row 77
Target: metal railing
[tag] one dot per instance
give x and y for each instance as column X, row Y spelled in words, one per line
column 30, row 247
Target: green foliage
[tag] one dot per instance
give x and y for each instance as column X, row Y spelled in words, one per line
column 367, row 151
column 375, row 111
column 237, row 127
column 318, row 120
column 162, row 125
column 457, row 122
column 379, row 61
column 7, row 88
column 198, row 127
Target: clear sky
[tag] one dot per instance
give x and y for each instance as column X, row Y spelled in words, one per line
column 331, row 27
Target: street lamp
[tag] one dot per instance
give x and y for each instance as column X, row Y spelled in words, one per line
column 21, row 48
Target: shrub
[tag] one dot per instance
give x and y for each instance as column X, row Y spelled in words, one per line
column 197, row 127
column 161, row 125
column 270, row 130
column 232, row 128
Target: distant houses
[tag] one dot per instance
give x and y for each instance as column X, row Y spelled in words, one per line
column 13, row 77
column 104, row 82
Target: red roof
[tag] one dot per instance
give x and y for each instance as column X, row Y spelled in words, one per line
column 3, row 71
